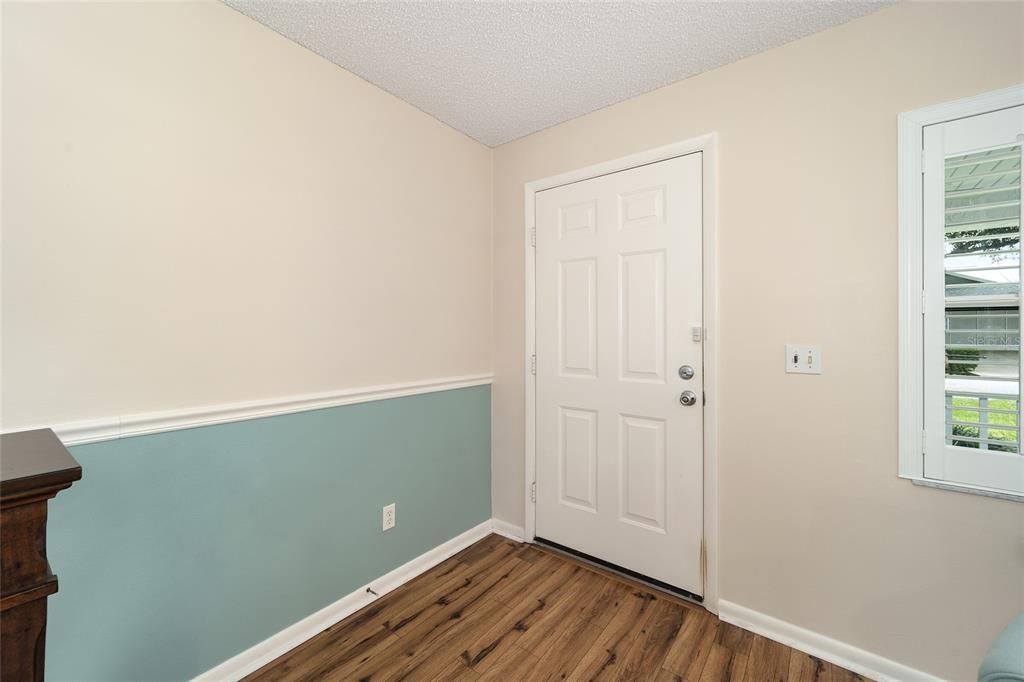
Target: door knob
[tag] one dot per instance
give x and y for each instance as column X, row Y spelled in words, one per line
column 686, row 372
column 688, row 398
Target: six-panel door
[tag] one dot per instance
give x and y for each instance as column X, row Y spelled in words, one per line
column 619, row 458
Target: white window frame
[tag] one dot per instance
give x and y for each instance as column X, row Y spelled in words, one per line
column 911, row 277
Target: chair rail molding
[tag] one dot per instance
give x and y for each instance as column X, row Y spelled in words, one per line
column 127, row 426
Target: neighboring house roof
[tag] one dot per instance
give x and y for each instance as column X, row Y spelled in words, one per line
column 992, row 289
column 960, row 278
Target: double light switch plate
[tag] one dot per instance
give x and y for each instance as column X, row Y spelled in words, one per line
column 803, row 359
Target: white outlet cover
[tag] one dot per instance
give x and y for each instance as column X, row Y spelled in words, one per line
column 803, row 359
column 389, row 517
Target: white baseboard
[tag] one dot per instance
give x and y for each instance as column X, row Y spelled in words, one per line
column 510, row 531
column 850, row 657
column 257, row 656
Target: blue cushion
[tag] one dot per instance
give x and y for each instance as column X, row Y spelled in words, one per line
column 1005, row 660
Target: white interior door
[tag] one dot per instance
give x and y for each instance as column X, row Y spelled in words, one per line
column 619, row 457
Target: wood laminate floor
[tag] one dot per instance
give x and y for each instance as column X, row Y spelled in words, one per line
column 503, row 610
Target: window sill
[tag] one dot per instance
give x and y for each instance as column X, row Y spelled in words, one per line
column 961, row 488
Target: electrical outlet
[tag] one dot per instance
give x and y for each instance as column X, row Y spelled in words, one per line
column 803, row 359
column 389, row 517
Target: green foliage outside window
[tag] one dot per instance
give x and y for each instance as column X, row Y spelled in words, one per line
column 962, row 361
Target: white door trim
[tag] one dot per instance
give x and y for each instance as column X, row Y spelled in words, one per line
column 708, row 145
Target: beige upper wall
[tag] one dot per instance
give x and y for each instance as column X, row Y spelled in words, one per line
column 816, row 529
column 198, row 211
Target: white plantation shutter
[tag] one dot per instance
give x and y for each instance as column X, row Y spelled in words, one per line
column 982, row 296
column 972, row 285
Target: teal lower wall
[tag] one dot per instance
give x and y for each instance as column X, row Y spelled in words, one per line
column 179, row 550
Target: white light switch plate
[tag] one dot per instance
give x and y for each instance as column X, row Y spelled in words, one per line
column 803, row 359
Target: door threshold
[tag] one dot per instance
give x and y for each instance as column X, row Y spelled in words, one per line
column 644, row 580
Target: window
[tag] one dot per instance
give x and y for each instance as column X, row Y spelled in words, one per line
column 960, row 341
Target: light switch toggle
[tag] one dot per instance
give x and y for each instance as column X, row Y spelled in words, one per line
column 803, row 359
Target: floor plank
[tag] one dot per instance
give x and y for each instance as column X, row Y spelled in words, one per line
column 543, row 567
column 602, row 658
column 579, row 633
column 690, row 650
column 768, row 662
column 723, row 663
column 426, row 659
column 502, row 610
column 843, row 675
column 515, row 664
column 644, row 658
column 666, row 676
column 485, row 650
column 457, row 671
column 806, row 668
column 435, row 630
column 734, row 638
column 564, row 603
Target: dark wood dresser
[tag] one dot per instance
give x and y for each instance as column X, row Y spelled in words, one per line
column 34, row 466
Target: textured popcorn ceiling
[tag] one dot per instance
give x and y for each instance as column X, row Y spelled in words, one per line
column 501, row 70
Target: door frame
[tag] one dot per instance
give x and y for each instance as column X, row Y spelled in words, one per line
column 710, row 348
